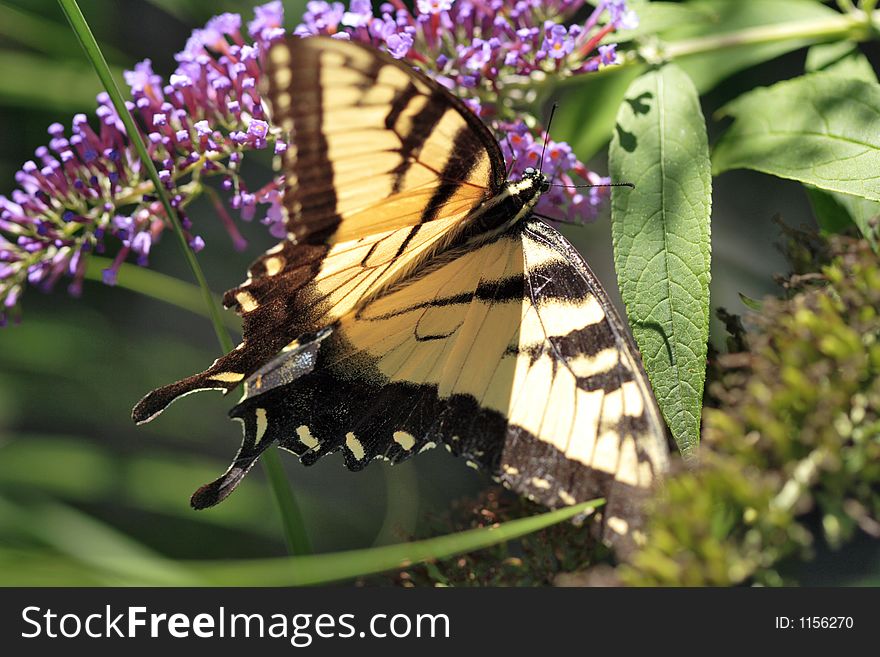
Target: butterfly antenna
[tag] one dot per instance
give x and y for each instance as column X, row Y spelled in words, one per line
column 512, row 155
column 619, row 184
column 547, row 136
column 544, row 150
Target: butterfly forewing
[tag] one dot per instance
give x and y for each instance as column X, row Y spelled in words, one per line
column 383, row 168
column 374, row 145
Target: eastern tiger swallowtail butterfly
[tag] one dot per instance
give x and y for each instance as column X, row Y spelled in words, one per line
column 416, row 302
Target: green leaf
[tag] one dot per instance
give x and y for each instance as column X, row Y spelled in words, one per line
column 324, row 568
column 94, row 544
column 597, row 96
column 818, row 129
column 588, row 111
column 661, row 239
column 751, row 304
column 831, row 216
column 103, row 554
column 842, row 58
column 835, row 212
column 723, row 17
column 30, row 567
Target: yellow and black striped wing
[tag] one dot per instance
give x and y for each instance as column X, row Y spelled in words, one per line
column 509, row 354
column 382, row 169
column 375, row 146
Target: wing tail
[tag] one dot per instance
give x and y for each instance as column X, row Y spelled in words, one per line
column 257, row 437
column 156, row 401
column 226, row 374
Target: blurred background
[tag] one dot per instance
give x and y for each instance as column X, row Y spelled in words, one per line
column 78, row 481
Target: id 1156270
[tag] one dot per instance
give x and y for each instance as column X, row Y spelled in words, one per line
column 815, row 623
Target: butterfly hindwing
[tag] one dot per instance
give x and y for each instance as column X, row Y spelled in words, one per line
column 385, row 381
column 384, row 166
column 509, row 354
column 596, row 430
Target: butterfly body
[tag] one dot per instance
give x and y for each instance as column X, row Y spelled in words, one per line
column 417, row 302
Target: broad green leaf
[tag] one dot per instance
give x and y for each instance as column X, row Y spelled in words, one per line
column 661, row 239
column 834, row 211
column 729, row 16
column 843, row 58
column 324, row 568
column 597, row 96
column 819, row 129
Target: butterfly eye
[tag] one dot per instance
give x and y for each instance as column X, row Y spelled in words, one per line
column 529, row 171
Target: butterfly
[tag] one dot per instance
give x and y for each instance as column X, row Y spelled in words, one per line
column 417, row 302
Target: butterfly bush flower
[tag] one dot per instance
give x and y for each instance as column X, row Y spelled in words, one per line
column 86, row 191
column 490, row 53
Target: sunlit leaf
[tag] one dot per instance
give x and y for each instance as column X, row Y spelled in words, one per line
column 661, row 239
column 835, row 211
column 819, row 129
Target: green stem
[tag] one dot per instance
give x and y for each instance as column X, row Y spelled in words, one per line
column 93, row 51
column 859, row 26
column 295, row 535
column 845, row 26
column 291, row 518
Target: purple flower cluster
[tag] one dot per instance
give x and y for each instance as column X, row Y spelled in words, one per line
column 87, row 192
column 485, row 51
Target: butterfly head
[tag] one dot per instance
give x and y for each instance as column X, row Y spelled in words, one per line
column 539, row 181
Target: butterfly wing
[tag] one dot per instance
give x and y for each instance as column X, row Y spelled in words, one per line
column 510, row 354
column 376, row 146
column 383, row 167
column 597, row 430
